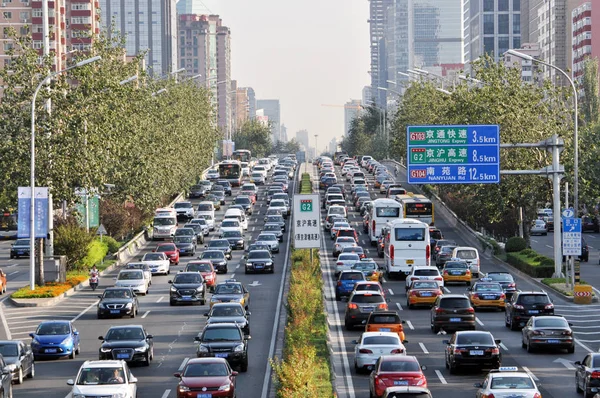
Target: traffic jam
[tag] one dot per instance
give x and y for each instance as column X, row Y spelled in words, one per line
column 420, row 312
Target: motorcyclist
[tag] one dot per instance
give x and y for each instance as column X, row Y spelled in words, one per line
column 94, row 272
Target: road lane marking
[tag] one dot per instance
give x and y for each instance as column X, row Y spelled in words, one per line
column 423, row 348
column 166, row 393
column 391, row 291
column 14, row 272
column 384, row 280
column 253, row 229
column 410, row 325
column 439, row 375
column 588, row 349
column 549, row 246
column 526, row 369
column 4, row 322
column 534, row 241
column 145, row 314
column 160, row 299
column 478, row 321
column 399, row 306
column 445, row 289
column 183, row 363
column 84, row 311
column 503, row 347
column 232, row 276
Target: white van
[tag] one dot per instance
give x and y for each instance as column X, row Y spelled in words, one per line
column 382, row 211
column 164, row 227
column 165, row 211
column 406, row 245
column 470, row 255
column 205, row 208
column 239, row 215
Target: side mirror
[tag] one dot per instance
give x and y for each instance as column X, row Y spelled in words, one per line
column 197, row 338
column 248, row 313
column 170, row 282
column 99, row 296
column 404, row 341
column 577, row 363
column 248, row 337
column 479, row 385
column 75, row 333
column 497, row 341
column 423, row 367
column 446, row 341
column 149, row 336
column 206, row 314
column 100, row 337
column 354, row 341
column 234, row 373
column 70, row 382
column 178, row 375
column 32, row 335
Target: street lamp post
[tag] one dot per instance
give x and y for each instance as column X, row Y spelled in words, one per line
column 575, row 134
column 316, row 146
column 44, row 81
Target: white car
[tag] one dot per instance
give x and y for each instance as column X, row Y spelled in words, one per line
column 203, row 223
column 212, row 174
column 424, row 273
column 257, row 178
column 270, row 240
column 507, row 382
column 184, row 210
column 372, row 345
column 104, row 379
column 345, row 261
column 262, row 169
column 230, row 225
column 159, row 263
column 144, row 267
column 133, row 278
column 538, row 227
column 279, row 204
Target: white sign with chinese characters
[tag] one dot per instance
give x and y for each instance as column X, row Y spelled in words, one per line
column 307, row 222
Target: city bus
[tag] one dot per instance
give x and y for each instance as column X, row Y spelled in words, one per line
column 243, row 155
column 406, row 245
column 231, row 170
column 382, row 211
column 417, row 206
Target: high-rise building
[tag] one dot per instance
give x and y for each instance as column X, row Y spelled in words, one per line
column 333, row 144
column 377, row 10
column 148, row 26
column 302, row 138
column 529, row 70
column 586, row 35
column 367, row 97
column 242, row 106
column 283, row 136
column 272, row 110
column 251, row 102
column 192, row 7
column 352, row 110
column 205, row 48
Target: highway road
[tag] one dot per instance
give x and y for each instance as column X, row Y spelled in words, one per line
column 173, row 328
column 553, row 370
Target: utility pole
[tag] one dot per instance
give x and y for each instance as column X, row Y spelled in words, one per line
column 316, row 147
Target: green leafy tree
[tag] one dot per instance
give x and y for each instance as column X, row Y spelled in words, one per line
column 254, row 136
column 590, row 103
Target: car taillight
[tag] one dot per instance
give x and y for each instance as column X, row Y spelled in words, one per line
column 414, row 293
column 567, row 333
column 459, row 350
column 339, row 263
column 439, row 278
column 468, row 272
column 382, row 306
column 512, row 285
column 595, row 375
column 475, row 295
column 397, row 351
column 494, row 351
column 493, row 396
column 339, row 283
column 549, row 306
column 352, row 306
column 536, row 395
column 365, row 351
column 518, row 307
column 427, row 253
column 445, row 272
column 503, row 296
column 439, row 311
column 374, row 227
column 392, row 252
column 422, row 382
column 471, row 310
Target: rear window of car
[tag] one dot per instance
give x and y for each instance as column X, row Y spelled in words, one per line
column 474, row 339
column 352, row 276
column 366, row 286
column 454, row 302
column 511, row 382
column 466, row 254
column 400, row 366
column 346, row 232
column 501, row 277
column 529, row 299
column 383, row 340
column 551, row 323
column 450, row 265
column 426, row 272
column 488, row 287
column 385, row 319
column 348, row 257
column 205, row 207
column 367, row 299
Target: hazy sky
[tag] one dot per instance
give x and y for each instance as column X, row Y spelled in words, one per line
column 305, row 53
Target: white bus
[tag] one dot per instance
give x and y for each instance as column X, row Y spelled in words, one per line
column 382, row 212
column 406, row 245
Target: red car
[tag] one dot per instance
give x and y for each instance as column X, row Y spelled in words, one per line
column 206, row 378
column 170, row 250
column 395, row 370
column 207, row 270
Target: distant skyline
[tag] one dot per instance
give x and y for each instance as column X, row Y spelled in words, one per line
column 303, row 53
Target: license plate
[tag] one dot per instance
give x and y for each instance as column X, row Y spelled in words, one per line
column 258, row 266
column 19, row 252
column 368, row 308
column 489, row 297
column 410, row 261
column 384, row 329
column 456, row 273
column 476, row 352
column 204, row 396
column 122, row 356
column 553, row 341
column 534, row 311
column 187, row 298
column 454, row 319
column 182, row 250
column 221, row 355
column 115, row 311
column 426, row 294
column 400, row 382
column 51, row 350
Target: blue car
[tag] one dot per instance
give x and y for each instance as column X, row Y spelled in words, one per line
column 346, row 281
column 55, row 339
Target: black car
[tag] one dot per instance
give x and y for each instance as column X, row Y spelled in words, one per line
column 229, row 313
column 118, row 301
column 226, row 186
column 590, row 224
column 586, row 374
column 20, row 248
column 219, row 192
column 5, row 379
column 187, row 287
column 130, row 343
column 199, row 231
column 224, row 340
column 220, row 244
column 524, row 305
column 186, row 245
column 550, row 332
column 258, row 261
column 19, row 357
column 235, row 239
column 245, row 202
column 443, row 255
column 217, row 258
column 437, row 244
column 197, row 191
column 506, row 280
column 452, row 312
column 475, row 349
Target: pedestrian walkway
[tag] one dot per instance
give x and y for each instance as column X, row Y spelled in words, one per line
column 585, row 320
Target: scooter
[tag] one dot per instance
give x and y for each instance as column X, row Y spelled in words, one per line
column 94, row 282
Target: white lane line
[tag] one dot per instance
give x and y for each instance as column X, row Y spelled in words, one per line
column 384, row 280
column 410, row 325
column 549, row 246
column 160, row 299
column 503, row 347
column 4, row 322
column 391, row 291
column 423, row 348
column 145, row 314
column 439, row 375
column 183, row 363
column 253, row 229
column 84, row 311
column 14, row 272
column 399, row 306
column 588, row 349
column 237, row 266
column 534, row 241
column 445, row 289
column 232, row 276
column 166, row 393
column 478, row 321
column 534, row 377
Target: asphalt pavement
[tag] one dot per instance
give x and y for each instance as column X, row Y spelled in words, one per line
column 554, row 370
column 173, row 328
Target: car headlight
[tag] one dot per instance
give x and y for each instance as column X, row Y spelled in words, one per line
column 183, row 388
column 225, row 387
column 239, row 348
column 67, row 341
column 11, row 367
column 173, row 289
column 200, row 288
column 202, row 348
column 78, row 395
column 269, row 263
column 105, row 349
column 240, row 242
column 128, row 305
column 101, row 305
column 140, row 349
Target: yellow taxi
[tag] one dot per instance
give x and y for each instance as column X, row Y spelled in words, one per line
column 230, row 291
column 487, row 294
column 456, row 272
column 422, row 292
column 370, row 269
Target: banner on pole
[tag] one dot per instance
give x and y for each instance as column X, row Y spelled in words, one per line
column 41, row 212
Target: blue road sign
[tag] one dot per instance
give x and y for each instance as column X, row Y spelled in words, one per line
column 468, row 154
column 41, row 212
column 571, row 237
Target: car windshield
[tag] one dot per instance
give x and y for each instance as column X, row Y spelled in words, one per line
column 272, row 227
column 257, row 175
column 9, row 350
column 124, row 333
column 232, row 234
column 198, row 267
column 184, row 231
column 474, row 339
column 427, row 272
column 454, row 302
column 266, row 237
column 511, row 382
column 400, row 366
column 530, row 299
column 353, row 249
column 205, row 207
column 227, row 310
column 153, row 257
column 188, row 278
column 500, row 277
column 213, row 255
column 166, row 248
column 212, row 334
column 165, row 221
column 338, row 225
column 130, row 275
column 278, row 203
column 367, row 286
column 228, row 289
column 136, row 266
column 365, row 266
column 348, row 257
column 101, row 376
column 199, row 221
column 352, row 276
column 381, row 340
column 230, row 223
column 22, row 242
column 456, row 265
column 275, row 219
column 117, row 293
column 258, row 254
column 488, row 287
column 53, row 329
column 183, row 239
column 551, row 323
column 337, row 210
column 242, row 201
column 183, row 205
column 205, row 370
column 345, row 240
column 219, row 243
column 385, row 319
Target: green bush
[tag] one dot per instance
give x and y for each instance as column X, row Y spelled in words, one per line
column 529, row 252
column 515, row 244
column 72, row 241
column 547, row 261
column 96, row 252
column 530, row 266
column 112, row 244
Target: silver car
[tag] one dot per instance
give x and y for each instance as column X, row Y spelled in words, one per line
column 279, row 204
column 274, row 229
column 372, row 345
column 538, row 227
column 270, row 240
column 342, row 242
column 345, row 261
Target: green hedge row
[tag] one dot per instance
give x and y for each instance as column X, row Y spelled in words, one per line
column 531, row 263
column 304, row 370
column 305, row 184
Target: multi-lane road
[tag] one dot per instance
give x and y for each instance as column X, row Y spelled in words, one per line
column 173, row 328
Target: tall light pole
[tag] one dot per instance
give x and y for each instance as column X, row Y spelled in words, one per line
column 44, row 81
column 316, row 146
column 575, row 133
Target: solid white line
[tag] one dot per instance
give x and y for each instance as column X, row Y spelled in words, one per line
column 588, row 349
column 4, row 323
column 391, row 291
column 549, row 246
column 160, row 299
column 232, row 276
column 399, row 306
column 410, row 325
column 237, row 266
column 84, row 311
column 534, row 241
column 503, row 347
column 384, row 280
column 445, row 289
column 439, row 375
column 145, row 314
column 478, row 321
column 12, row 273
column 166, row 393
column 423, row 348
column 534, row 377
column 183, row 363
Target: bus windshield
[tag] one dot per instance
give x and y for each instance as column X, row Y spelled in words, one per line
column 229, row 170
column 405, row 234
column 419, row 209
column 387, row 211
column 242, row 155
